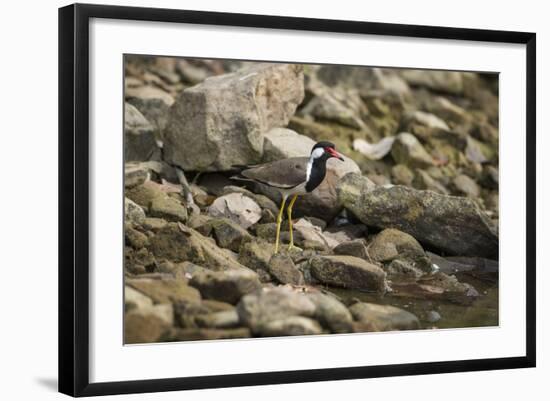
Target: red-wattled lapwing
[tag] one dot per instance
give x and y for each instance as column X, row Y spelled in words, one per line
column 292, row 177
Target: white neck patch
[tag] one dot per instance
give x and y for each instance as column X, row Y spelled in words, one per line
column 317, row 153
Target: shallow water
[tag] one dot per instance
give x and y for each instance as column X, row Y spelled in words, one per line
column 482, row 312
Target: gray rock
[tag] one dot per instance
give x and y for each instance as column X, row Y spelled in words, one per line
column 438, row 287
column 256, row 255
column 409, row 151
column 346, row 232
column 423, row 180
column 257, row 310
column 135, row 175
column 220, row 122
column 135, row 300
column 139, row 136
column 196, row 314
column 355, row 248
column 480, row 265
column 402, row 175
column 404, row 269
column 339, row 106
column 348, row 272
column 190, row 73
column 282, row 143
column 331, row 313
column 291, row 326
column 453, row 224
column 215, row 183
column 135, row 238
column 391, row 244
column 228, row 234
column 154, row 110
column 167, row 208
column 310, row 232
column 375, row 317
column 490, row 177
column 283, row 269
column 449, row 111
column 477, row 151
column 137, row 261
column 424, row 125
column 238, row 208
column 153, row 223
column 227, row 286
column 263, row 201
column 364, row 79
column 433, row 316
column 440, row 81
column 179, row 243
column 145, row 193
column 133, row 213
column 466, row 186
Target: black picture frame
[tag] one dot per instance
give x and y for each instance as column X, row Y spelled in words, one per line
column 74, row 198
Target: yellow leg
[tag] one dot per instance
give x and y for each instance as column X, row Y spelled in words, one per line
column 289, row 210
column 279, row 220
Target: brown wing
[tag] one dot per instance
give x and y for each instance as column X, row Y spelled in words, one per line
column 286, row 173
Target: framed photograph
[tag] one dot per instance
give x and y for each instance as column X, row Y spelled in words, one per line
column 250, row 199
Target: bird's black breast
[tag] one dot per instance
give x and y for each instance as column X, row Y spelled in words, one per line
column 317, row 174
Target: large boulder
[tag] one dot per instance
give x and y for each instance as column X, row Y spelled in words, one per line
column 220, row 122
column 452, row 224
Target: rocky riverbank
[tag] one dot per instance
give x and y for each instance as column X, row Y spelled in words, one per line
column 401, row 235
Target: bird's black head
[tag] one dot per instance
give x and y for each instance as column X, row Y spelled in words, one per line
column 325, row 150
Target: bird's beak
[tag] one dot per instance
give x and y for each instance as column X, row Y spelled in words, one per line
column 334, row 153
